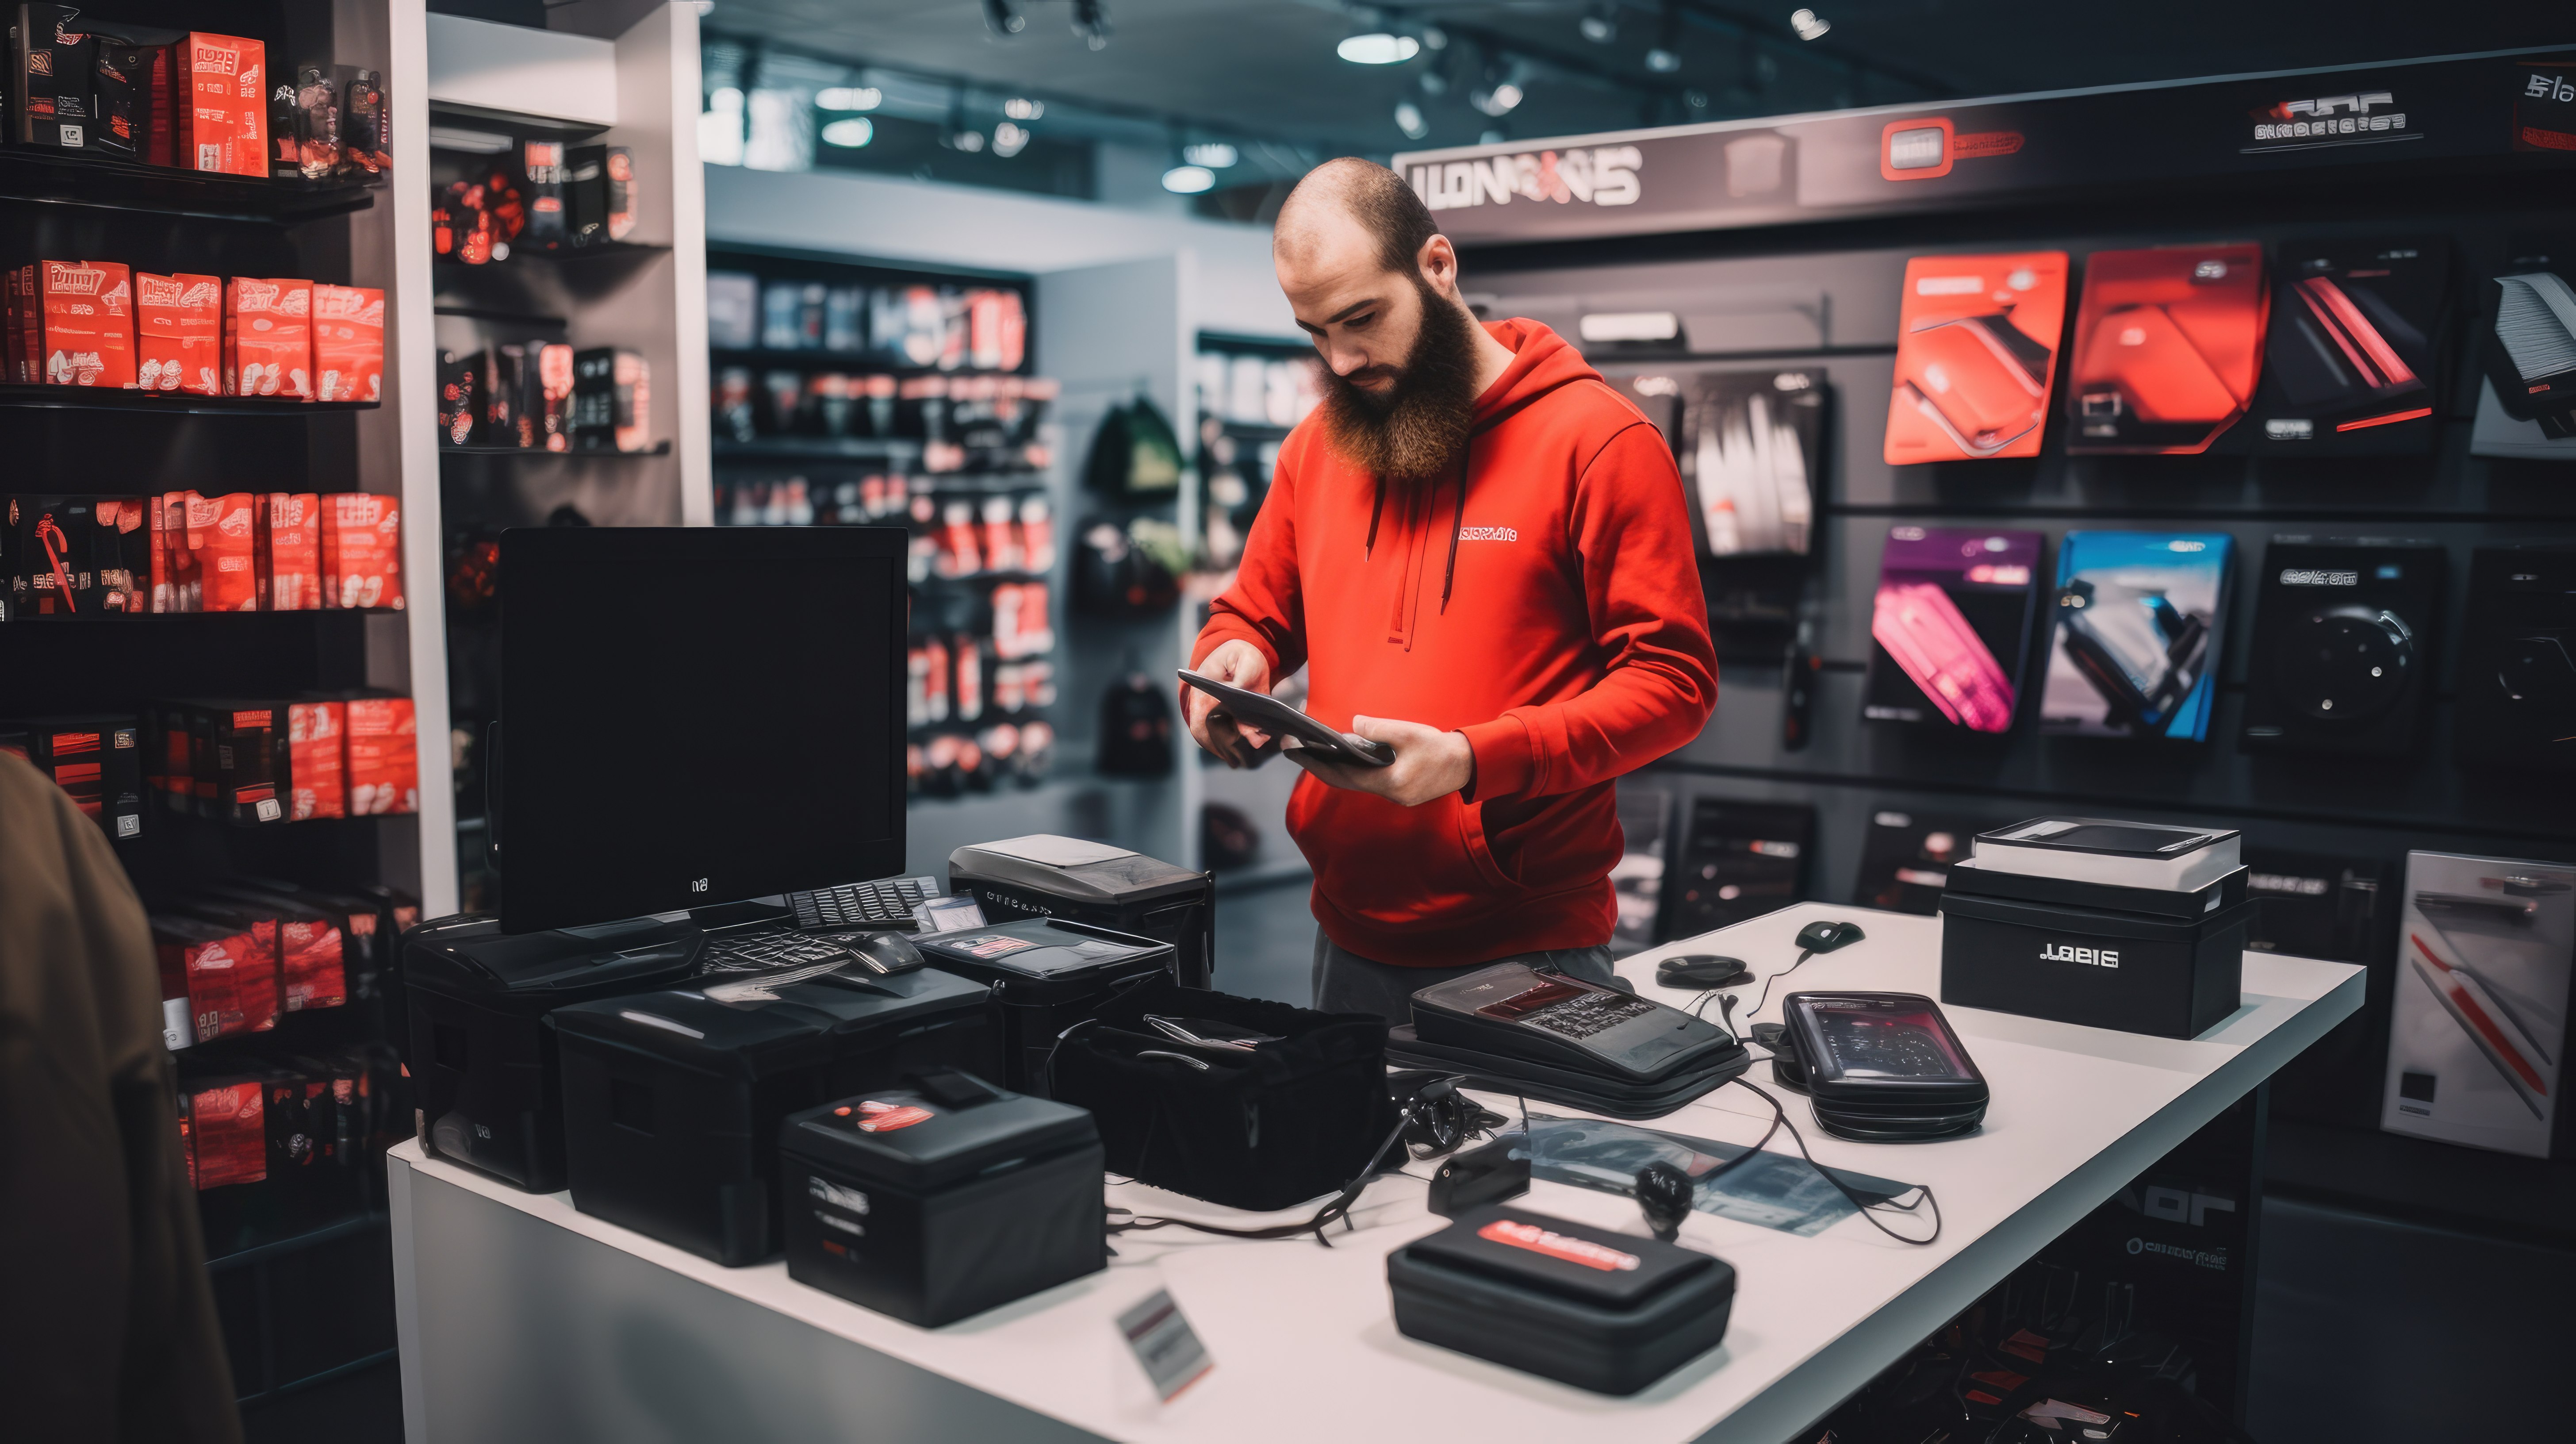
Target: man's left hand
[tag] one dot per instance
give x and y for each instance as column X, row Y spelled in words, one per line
column 1428, row 762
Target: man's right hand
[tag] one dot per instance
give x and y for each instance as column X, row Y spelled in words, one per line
column 1237, row 664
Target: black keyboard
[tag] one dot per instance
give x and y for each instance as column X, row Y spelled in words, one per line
column 886, row 904
column 763, row 952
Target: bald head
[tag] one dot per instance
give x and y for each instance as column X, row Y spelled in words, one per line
column 1347, row 205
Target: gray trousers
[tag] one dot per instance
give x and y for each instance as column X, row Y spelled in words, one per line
column 1345, row 982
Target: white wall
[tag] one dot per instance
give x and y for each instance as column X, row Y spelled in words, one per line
column 882, row 218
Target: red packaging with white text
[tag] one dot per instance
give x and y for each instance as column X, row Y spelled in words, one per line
column 223, row 542
column 289, row 537
column 316, row 764
column 1976, row 354
column 361, row 550
column 2168, row 347
column 179, row 333
column 383, row 756
column 223, row 117
column 187, row 585
column 231, row 975
column 87, row 308
column 228, row 1127
column 268, row 338
column 348, row 343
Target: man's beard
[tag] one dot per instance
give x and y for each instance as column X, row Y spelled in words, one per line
column 1417, row 426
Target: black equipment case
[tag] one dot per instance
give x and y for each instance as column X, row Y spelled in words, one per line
column 1089, row 882
column 483, row 1061
column 672, row 1101
column 941, row 1202
column 1585, row 1306
column 2141, row 960
column 1047, row 975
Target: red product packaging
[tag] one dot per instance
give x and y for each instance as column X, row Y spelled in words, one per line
column 231, row 974
column 1976, row 354
column 316, row 767
column 383, row 756
column 289, row 543
column 187, row 587
column 230, row 1130
column 2168, row 346
column 309, row 961
column 223, row 115
column 223, row 542
column 87, row 312
column 348, row 343
column 361, row 550
column 164, row 594
column 268, row 338
column 179, row 333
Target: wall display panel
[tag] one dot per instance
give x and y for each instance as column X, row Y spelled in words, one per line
column 2529, row 343
column 1736, row 861
column 2168, row 345
column 1905, row 860
column 2349, row 364
column 2479, row 1018
column 2517, row 707
column 1976, row 356
column 2140, row 616
column 1950, row 626
column 2340, row 907
column 2343, row 639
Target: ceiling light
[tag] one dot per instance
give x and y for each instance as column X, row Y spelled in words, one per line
column 1213, row 154
column 1001, row 19
column 1378, row 48
column 1600, row 24
column 1809, row 24
column 1091, row 22
column 1018, row 108
column 1434, row 83
column 1666, row 56
column 849, row 97
column 969, row 141
column 1434, row 38
column 1408, row 118
column 703, row 7
column 851, row 133
column 1497, row 101
column 1662, row 61
column 1189, row 180
column 1009, row 140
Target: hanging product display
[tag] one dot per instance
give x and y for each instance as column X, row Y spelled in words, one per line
column 2529, row 348
column 1737, row 860
column 1906, row 858
column 2139, row 619
column 1951, row 626
column 1976, row 354
column 2168, row 346
column 2343, row 634
column 1751, row 459
column 2348, row 365
column 2517, row 705
column 2479, row 1019
column 2312, row 905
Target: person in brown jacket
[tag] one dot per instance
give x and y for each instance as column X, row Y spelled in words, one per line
column 107, row 1320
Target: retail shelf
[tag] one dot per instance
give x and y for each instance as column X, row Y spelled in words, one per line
column 502, row 315
column 444, row 115
column 857, row 448
column 661, row 448
column 448, row 268
column 342, row 1227
column 858, row 361
column 182, row 403
column 43, row 176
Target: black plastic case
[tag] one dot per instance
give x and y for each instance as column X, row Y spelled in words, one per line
column 985, row 1197
column 2343, row 643
column 2139, row 972
column 1585, row 1306
column 1966, row 878
column 1134, row 894
column 483, row 1061
column 1047, row 974
column 1891, row 1102
column 672, row 1100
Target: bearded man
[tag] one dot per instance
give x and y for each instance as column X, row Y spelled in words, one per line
column 1480, row 551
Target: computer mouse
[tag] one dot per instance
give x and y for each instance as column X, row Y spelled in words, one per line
column 886, row 954
column 1702, row 970
column 1825, row 937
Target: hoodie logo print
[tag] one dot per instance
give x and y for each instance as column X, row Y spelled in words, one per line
column 1488, row 533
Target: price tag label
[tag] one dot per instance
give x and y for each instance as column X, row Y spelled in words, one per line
column 1165, row 1344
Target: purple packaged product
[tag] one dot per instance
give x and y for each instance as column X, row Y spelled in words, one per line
column 1950, row 626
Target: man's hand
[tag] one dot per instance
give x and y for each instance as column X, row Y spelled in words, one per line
column 1428, row 762
column 1236, row 664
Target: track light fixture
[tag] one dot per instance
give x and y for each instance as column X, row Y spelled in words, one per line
column 1091, row 22
column 1001, row 19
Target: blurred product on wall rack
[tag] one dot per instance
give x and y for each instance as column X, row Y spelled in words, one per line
column 130, row 556
column 1251, row 394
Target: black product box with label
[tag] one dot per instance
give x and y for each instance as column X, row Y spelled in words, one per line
column 1604, row 1311
column 482, row 1060
column 1092, row 882
column 673, row 1100
column 938, row 1203
column 1047, row 974
column 239, row 749
column 98, row 760
column 52, row 90
column 2343, row 636
column 2130, row 926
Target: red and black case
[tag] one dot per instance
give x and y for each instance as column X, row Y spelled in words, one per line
column 2349, row 364
column 2168, row 346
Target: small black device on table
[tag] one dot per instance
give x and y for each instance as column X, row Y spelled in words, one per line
column 1546, row 1035
column 1269, row 714
column 1879, row 1067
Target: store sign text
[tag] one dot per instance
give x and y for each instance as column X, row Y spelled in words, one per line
column 1604, row 175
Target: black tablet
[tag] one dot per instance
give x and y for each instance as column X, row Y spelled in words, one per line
column 1253, row 709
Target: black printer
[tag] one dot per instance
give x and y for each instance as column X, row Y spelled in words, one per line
column 482, row 1059
column 1047, row 974
column 1092, row 882
column 672, row 1100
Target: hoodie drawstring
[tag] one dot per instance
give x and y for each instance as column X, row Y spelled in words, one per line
column 1457, row 523
column 1376, row 509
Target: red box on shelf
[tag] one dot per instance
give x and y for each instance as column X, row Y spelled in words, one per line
column 268, row 338
column 231, row 974
column 87, row 311
column 289, row 547
column 223, row 542
column 361, row 550
column 316, row 764
column 179, row 329
column 228, row 1134
column 348, row 343
column 383, row 756
column 187, row 585
column 223, row 114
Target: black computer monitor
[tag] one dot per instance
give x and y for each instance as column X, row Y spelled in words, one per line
column 696, row 715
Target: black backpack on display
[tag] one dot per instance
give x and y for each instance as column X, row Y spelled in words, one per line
column 1135, row 729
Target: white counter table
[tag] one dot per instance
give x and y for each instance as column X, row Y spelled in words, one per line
column 521, row 1319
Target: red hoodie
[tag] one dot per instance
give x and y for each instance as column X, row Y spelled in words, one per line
column 1550, row 610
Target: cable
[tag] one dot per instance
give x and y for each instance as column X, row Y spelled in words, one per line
column 1867, row 1210
column 1726, row 1008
